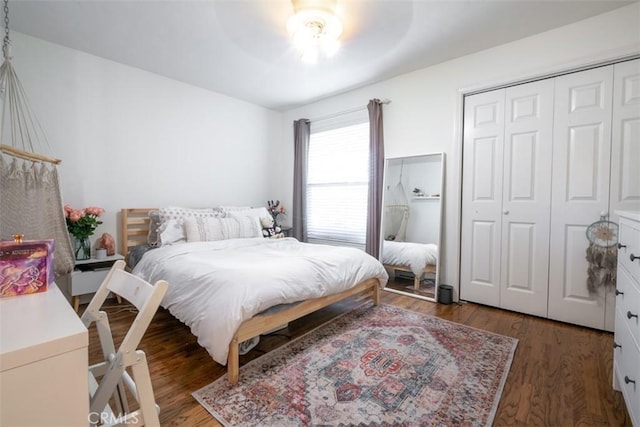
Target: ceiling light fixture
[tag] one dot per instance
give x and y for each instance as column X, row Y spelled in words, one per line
column 315, row 29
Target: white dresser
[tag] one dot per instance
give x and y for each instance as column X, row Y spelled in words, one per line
column 43, row 362
column 626, row 361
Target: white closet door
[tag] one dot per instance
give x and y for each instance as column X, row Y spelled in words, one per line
column 526, row 198
column 482, row 197
column 625, row 152
column 581, row 166
column 625, row 138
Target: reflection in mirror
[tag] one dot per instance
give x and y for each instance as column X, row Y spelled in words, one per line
column 411, row 222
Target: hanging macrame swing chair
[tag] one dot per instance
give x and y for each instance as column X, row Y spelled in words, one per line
column 30, row 200
column 396, row 211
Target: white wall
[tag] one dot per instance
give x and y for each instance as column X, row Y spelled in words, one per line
column 425, row 113
column 130, row 138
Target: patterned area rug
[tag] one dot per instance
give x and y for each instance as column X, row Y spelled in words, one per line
column 374, row 366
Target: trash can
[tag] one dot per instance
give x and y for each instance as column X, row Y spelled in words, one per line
column 445, row 294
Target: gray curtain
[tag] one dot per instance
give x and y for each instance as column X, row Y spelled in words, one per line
column 301, row 135
column 376, row 175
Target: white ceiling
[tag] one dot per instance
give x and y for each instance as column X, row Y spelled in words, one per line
column 240, row 47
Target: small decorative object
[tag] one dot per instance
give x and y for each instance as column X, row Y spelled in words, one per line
column 418, row 192
column 81, row 223
column 602, row 255
column 101, row 253
column 107, row 242
column 26, row 266
column 275, row 209
column 82, row 248
column 269, row 229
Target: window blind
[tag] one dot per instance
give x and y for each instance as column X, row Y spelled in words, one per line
column 337, row 185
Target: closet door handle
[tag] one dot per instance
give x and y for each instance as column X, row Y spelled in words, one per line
column 620, row 246
column 619, row 293
column 616, row 345
column 631, row 315
column 633, row 257
column 628, row 380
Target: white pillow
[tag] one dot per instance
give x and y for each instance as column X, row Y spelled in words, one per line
column 203, row 229
column 172, row 222
column 172, row 232
column 212, row 229
column 251, row 212
column 227, row 209
column 175, row 212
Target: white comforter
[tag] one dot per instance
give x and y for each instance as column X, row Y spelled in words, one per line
column 414, row 255
column 215, row 286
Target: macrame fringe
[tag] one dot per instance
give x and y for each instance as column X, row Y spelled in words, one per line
column 31, row 204
column 601, row 272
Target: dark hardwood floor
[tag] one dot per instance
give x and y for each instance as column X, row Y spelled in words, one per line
column 561, row 374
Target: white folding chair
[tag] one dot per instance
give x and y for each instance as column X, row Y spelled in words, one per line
column 113, row 370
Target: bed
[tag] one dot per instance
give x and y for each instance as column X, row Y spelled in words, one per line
column 225, row 303
column 418, row 258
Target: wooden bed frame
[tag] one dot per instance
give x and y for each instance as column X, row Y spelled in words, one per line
column 135, row 227
column 429, row 268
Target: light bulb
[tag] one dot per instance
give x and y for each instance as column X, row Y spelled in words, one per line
column 310, row 55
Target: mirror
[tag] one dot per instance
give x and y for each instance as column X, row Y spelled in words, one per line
column 411, row 224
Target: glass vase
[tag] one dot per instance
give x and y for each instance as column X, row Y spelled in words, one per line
column 82, row 248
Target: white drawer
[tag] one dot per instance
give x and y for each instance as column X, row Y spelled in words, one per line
column 629, row 246
column 627, row 367
column 86, row 282
column 628, row 302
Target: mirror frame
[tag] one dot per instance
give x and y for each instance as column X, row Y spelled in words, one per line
column 441, row 216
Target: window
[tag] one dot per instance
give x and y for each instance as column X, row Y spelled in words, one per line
column 337, row 184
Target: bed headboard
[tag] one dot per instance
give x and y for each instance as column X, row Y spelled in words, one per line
column 134, row 228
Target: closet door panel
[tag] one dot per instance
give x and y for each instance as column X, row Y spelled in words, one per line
column 580, row 194
column 526, row 197
column 625, row 152
column 625, row 138
column 482, row 197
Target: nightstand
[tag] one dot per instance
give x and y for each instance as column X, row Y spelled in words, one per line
column 87, row 276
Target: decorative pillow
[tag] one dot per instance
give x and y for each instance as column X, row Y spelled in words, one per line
column 252, row 212
column 203, row 229
column 241, row 227
column 177, row 215
column 212, row 229
column 174, row 212
column 172, row 232
column 153, row 239
column 227, row 209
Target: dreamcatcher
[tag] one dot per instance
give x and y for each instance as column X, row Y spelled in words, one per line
column 602, row 254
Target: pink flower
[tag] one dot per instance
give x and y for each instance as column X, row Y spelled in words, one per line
column 75, row 215
column 94, row 210
column 81, row 223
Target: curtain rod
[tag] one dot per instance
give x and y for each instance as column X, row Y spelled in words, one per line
column 350, row 110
